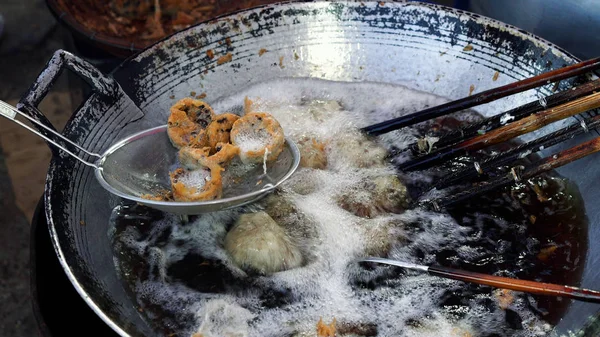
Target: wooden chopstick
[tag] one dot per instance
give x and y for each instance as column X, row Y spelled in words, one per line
column 526, row 286
column 549, row 163
column 531, row 287
column 518, row 113
column 507, row 132
column 483, row 97
column 520, row 151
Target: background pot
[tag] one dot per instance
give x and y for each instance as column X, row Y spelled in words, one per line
column 83, row 32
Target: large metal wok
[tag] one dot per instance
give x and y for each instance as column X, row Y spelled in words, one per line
column 418, row 45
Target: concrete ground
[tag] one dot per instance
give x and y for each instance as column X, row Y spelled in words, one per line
column 25, row 46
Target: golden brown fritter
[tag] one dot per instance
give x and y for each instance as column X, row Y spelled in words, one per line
column 218, row 131
column 197, row 185
column 196, row 158
column 255, row 134
column 187, row 121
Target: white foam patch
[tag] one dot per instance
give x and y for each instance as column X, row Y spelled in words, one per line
column 251, row 142
column 195, row 178
column 220, row 318
column 322, row 288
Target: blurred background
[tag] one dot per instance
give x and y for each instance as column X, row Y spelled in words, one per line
column 31, row 30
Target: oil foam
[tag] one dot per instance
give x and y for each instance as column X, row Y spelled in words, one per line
column 326, row 287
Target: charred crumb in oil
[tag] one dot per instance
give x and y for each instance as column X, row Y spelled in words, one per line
column 547, row 252
column 450, row 299
column 531, row 304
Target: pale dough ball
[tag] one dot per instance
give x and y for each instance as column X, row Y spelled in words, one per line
column 257, row 243
column 375, row 196
column 358, row 150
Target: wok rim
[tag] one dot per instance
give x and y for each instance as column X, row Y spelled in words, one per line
column 484, row 20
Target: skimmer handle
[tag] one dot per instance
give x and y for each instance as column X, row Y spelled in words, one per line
column 8, row 113
column 50, row 135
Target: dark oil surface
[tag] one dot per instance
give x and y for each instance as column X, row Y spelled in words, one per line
column 546, row 240
column 543, row 237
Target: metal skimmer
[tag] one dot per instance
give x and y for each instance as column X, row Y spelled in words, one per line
column 140, row 164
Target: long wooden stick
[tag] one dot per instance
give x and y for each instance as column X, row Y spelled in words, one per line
column 520, row 151
column 526, row 286
column 549, row 163
column 483, row 97
column 518, row 113
column 506, row 132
